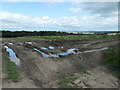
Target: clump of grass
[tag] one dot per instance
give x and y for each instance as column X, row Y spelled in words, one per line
column 12, row 72
column 69, row 80
column 84, row 72
column 64, row 82
column 87, row 85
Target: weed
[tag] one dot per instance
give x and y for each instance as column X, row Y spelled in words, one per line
column 84, row 72
column 69, row 79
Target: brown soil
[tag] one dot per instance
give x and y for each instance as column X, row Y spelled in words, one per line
column 37, row 71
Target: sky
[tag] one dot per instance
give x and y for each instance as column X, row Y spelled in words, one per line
column 59, row 16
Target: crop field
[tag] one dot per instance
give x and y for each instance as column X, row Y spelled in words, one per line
column 73, row 61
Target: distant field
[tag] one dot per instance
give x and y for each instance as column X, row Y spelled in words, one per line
column 78, row 37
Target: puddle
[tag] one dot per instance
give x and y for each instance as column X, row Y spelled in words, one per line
column 94, row 50
column 78, row 53
column 69, row 51
column 87, row 44
column 46, row 55
column 21, row 43
column 12, row 56
column 44, row 48
column 61, row 47
column 50, row 47
column 10, row 43
column 30, row 42
column 54, row 55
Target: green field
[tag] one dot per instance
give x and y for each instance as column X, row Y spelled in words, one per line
column 78, row 37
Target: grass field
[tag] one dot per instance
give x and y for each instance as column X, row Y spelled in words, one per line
column 78, row 37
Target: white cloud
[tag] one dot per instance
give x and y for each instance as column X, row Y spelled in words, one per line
column 10, row 16
column 74, row 10
column 45, row 17
column 15, row 21
column 105, row 9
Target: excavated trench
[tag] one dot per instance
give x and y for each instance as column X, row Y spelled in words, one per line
column 12, row 56
column 43, row 51
column 43, row 63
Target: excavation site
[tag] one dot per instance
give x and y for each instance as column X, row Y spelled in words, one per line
column 45, row 63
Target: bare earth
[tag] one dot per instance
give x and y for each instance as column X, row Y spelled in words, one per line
column 37, row 71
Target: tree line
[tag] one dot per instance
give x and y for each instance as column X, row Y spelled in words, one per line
column 5, row 33
column 33, row 33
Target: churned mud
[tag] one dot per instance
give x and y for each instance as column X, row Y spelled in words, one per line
column 44, row 62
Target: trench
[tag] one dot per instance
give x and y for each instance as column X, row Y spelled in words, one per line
column 12, row 56
column 69, row 51
column 87, row 44
column 94, row 50
column 46, row 55
column 51, row 47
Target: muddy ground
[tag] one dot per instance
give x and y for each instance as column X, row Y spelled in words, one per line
column 37, row 71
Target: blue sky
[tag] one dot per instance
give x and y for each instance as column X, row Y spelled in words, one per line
column 59, row 16
column 38, row 8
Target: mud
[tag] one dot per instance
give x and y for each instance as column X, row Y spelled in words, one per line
column 41, row 72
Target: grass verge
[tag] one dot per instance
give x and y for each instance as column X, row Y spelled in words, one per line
column 112, row 59
column 12, row 73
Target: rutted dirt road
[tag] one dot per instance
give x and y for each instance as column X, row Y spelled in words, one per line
column 37, row 71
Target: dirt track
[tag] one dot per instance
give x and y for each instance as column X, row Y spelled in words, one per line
column 37, row 71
